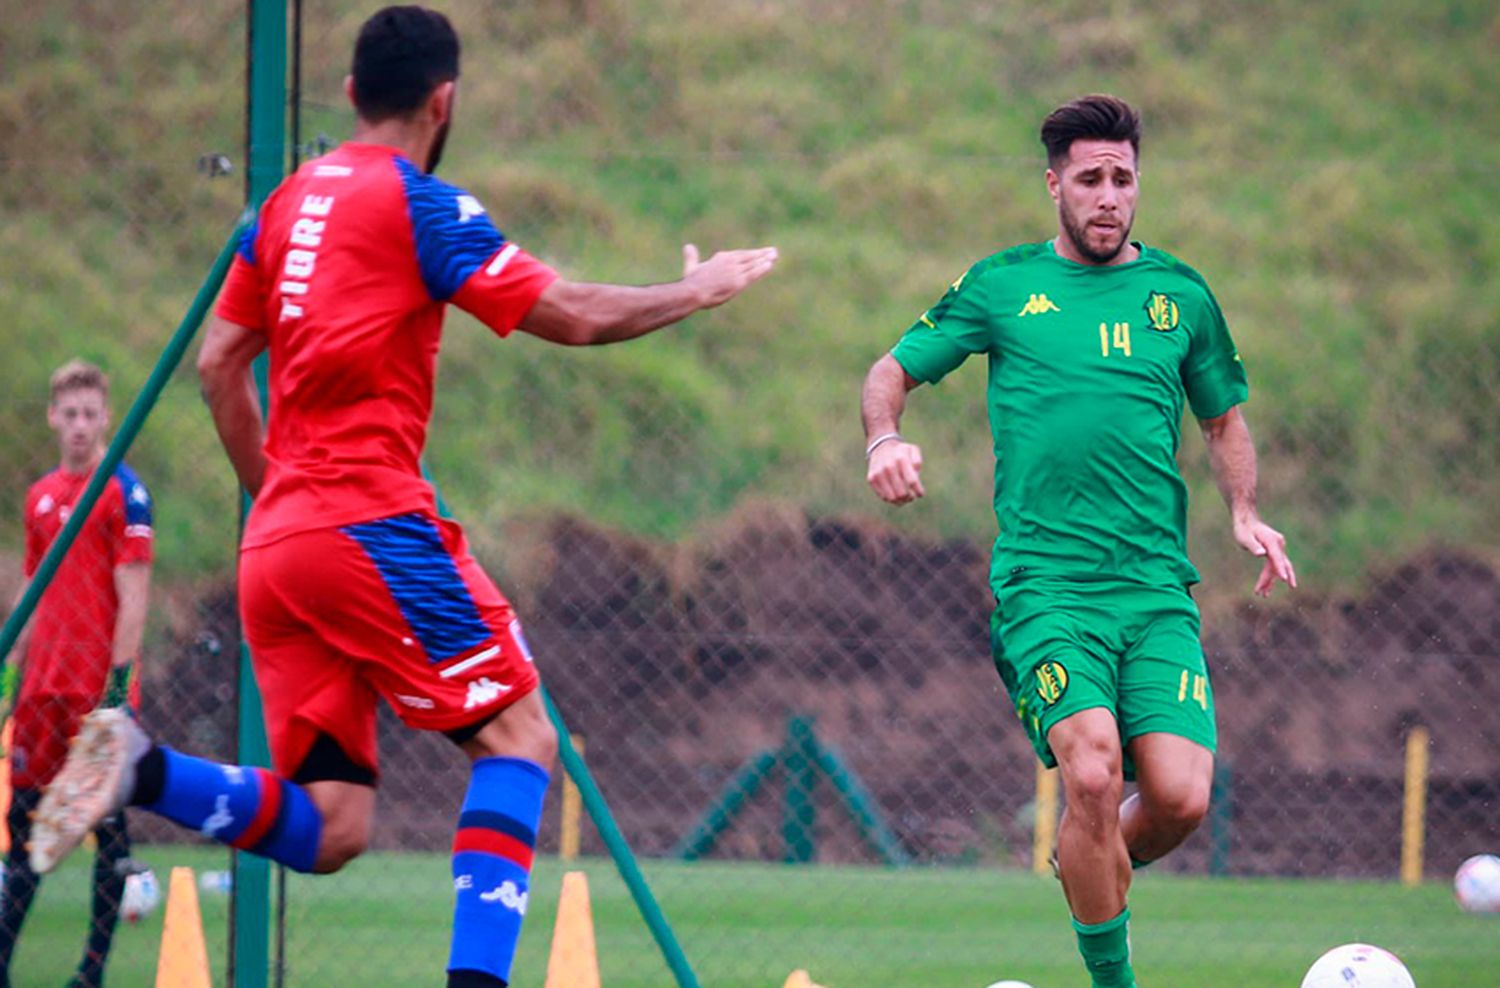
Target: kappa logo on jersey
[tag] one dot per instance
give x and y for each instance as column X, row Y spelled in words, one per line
column 484, row 691
column 1037, row 305
column 45, row 505
column 468, row 208
column 1162, row 312
column 138, row 495
column 509, row 895
column 1051, row 682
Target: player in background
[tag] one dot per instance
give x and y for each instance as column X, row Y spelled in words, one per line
column 1094, row 343
column 351, row 588
column 78, row 648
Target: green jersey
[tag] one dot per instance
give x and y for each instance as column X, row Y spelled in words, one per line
column 1089, row 367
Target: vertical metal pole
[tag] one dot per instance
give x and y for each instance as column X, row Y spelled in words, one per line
column 250, row 910
column 1414, row 807
column 1044, row 830
column 572, row 812
column 799, row 816
column 1221, row 819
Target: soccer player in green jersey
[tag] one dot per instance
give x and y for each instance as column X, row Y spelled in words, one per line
column 1095, row 342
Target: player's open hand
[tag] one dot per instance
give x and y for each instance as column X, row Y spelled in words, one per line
column 895, row 472
column 727, row 273
column 1260, row 539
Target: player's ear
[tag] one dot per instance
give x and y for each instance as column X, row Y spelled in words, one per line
column 1053, row 182
column 440, row 103
column 349, row 88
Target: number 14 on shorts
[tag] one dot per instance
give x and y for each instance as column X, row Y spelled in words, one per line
column 1199, row 686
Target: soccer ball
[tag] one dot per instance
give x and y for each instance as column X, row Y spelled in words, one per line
column 1358, row 965
column 142, row 895
column 1477, row 884
column 1010, row 984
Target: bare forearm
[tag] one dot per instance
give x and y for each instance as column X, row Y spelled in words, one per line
column 224, row 364
column 579, row 313
column 1231, row 453
column 132, row 588
column 883, row 399
column 235, row 407
column 624, row 312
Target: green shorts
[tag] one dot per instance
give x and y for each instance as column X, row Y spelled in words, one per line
column 1065, row 646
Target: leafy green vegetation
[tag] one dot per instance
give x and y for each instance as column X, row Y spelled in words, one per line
column 1327, row 167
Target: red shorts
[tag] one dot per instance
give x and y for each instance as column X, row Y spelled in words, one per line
column 394, row 607
column 44, row 724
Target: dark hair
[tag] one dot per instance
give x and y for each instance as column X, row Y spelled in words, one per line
column 1097, row 117
column 401, row 56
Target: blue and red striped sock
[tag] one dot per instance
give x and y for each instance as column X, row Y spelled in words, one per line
column 492, row 863
column 242, row 806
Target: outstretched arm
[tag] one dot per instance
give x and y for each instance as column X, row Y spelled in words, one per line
column 893, row 465
column 229, row 389
column 582, row 314
column 1232, row 455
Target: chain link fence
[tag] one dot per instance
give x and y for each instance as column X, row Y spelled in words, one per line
column 725, row 617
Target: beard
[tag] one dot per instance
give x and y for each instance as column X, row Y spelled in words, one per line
column 438, row 142
column 1078, row 233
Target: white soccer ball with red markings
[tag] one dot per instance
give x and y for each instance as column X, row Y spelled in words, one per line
column 1358, row 965
column 1477, row 884
column 142, row 895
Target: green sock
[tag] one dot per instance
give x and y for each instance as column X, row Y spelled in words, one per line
column 1106, row 951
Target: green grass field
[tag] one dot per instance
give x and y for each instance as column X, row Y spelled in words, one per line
column 384, row 923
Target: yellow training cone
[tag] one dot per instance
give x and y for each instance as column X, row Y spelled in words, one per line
column 800, row 979
column 574, row 961
column 183, row 962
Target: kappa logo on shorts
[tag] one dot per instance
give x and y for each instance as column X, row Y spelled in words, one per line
column 484, row 691
column 1051, row 682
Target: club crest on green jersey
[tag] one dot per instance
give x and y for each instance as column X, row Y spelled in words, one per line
column 1051, row 681
column 1162, row 313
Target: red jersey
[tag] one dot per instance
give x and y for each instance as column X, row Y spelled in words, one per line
column 73, row 628
column 348, row 271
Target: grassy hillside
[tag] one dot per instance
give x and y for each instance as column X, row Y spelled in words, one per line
column 1327, row 167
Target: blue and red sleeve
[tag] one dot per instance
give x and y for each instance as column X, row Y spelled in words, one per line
column 464, row 259
column 243, row 300
column 132, row 534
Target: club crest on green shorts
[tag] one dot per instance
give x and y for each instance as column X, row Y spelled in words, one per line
column 1051, row 682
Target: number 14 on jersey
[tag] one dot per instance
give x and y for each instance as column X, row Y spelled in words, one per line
column 1120, row 338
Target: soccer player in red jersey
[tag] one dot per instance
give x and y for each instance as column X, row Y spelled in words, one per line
column 79, row 645
column 351, row 588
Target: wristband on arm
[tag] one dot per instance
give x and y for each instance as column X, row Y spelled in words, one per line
column 881, row 440
column 118, row 691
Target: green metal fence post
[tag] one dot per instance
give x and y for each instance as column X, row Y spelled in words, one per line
column 1221, row 817
column 619, row 849
column 861, row 805
column 266, row 154
column 799, row 816
column 740, row 789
